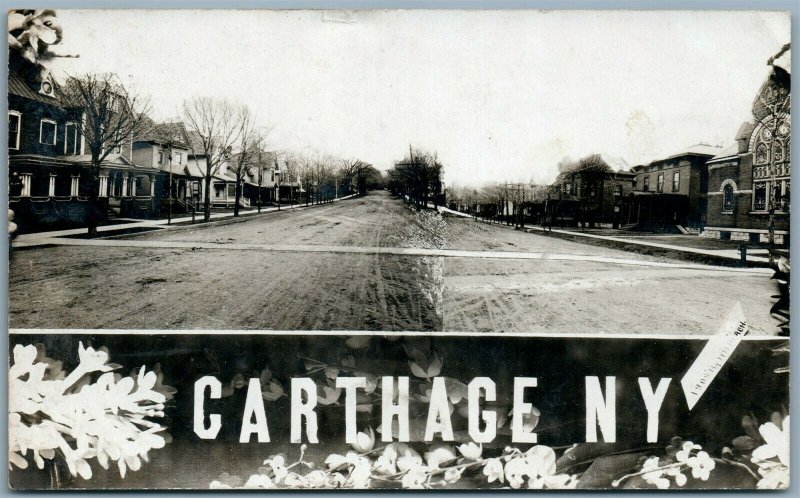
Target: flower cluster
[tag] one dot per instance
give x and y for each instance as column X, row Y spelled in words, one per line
column 682, row 456
column 401, row 465
column 109, row 419
column 772, row 458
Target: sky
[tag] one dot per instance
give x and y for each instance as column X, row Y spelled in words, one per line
column 498, row 95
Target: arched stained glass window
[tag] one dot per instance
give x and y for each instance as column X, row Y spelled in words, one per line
column 777, row 151
column 762, row 153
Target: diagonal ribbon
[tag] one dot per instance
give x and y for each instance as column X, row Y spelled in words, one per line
column 714, row 355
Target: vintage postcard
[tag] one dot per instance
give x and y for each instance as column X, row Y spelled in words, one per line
column 383, row 249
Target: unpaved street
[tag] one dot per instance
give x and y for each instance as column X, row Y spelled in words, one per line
column 371, row 263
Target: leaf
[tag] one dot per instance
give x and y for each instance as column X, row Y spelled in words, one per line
column 435, row 366
column 357, row 341
column 744, row 443
column 607, row 468
column 750, row 426
column 331, row 373
column 327, row 395
column 415, row 355
column 456, row 390
column 334, row 461
column 417, row 371
column 585, row 453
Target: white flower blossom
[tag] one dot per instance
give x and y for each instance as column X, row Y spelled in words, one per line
column 701, row 465
column 108, row 419
column 493, row 470
column 655, row 476
column 471, row 451
column 365, row 441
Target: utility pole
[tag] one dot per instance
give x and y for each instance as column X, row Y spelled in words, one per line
column 277, row 183
column 260, row 177
column 169, row 187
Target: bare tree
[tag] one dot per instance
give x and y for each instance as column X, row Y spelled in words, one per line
column 247, row 150
column 111, row 116
column 771, row 109
column 350, row 171
column 417, row 177
column 214, row 127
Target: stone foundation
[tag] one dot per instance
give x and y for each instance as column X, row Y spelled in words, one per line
column 743, row 236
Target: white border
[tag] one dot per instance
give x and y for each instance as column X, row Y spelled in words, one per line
column 337, row 333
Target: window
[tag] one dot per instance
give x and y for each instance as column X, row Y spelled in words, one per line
column 113, row 103
column 618, row 192
column 660, row 183
column 62, row 185
column 74, row 186
column 727, row 199
column 177, row 157
column 762, row 154
column 676, row 181
column 760, row 196
column 117, row 143
column 646, row 183
column 103, row 190
column 777, row 151
column 161, row 157
column 782, row 195
column 71, row 140
column 25, row 191
column 14, row 121
column 40, row 185
column 785, row 195
column 47, row 132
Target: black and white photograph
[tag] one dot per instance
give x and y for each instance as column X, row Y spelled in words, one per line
column 384, row 249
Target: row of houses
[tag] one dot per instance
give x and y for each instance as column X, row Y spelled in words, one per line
column 740, row 192
column 147, row 175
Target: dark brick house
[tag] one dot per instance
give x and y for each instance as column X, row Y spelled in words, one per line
column 48, row 166
column 672, row 191
column 752, row 176
column 590, row 196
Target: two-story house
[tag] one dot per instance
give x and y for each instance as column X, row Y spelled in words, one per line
column 222, row 185
column 260, row 180
column 164, row 146
column 591, row 194
column 672, row 191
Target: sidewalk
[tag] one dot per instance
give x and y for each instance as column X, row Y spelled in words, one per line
column 44, row 238
column 756, row 256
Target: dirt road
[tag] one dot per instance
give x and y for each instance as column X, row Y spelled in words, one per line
column 235, row 276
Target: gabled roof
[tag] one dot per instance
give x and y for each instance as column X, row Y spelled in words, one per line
column 162, row 133
column 18, row 86
column 112, row 160
column 220, row 176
